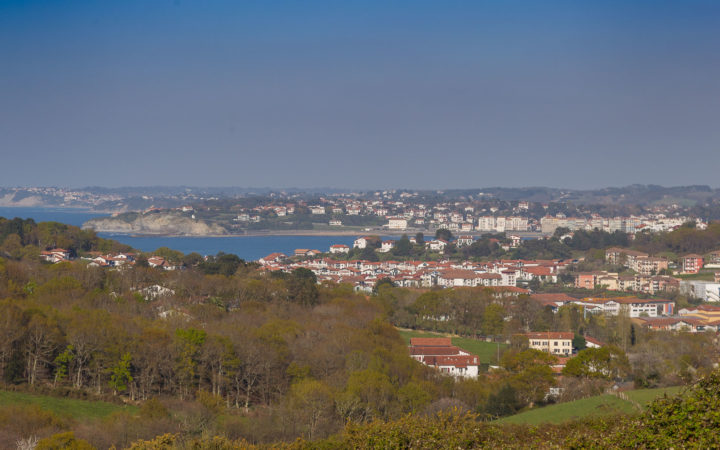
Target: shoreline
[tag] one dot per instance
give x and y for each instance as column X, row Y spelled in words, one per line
column 261, row 233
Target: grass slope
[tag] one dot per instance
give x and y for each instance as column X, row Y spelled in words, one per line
column 67, row 407
column 486, row 351
column 599, row 405
column 646, row 396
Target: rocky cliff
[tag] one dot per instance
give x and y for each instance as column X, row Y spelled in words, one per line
column 169, row 224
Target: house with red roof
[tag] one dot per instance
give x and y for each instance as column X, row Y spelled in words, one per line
column 273, row 258
column 448, row 359
column 553, row 342
column 339, row 248
column 55, row 255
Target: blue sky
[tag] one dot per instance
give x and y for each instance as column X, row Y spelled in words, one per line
column 354, row 94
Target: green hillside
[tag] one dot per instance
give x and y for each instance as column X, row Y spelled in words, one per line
column 600, row 405
column 66, row 407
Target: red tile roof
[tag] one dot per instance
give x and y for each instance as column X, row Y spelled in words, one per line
column 430, row 342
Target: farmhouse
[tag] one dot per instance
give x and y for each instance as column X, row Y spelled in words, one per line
column 440, row 354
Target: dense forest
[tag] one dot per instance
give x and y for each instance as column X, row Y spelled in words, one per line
column 225, row 349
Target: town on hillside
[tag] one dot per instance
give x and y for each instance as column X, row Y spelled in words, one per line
column 640, row 286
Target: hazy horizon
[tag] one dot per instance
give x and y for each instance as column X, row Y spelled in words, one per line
column 360, row 95
column 362, row 189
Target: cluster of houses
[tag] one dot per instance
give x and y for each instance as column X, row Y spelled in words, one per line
column 645, row 264
column 695, row 319
column 612, row 281
column 363, row 274
column 613, row 306
column 646, row 277
column 465, row 221
column 630, row 225
column 98, row 259
column 55, row 255
column 655, row 314
column 403, row 210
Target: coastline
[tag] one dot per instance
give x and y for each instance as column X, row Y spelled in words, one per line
column 260, row 233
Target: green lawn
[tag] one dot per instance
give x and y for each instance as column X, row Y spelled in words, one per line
column 68, row 407
column 588, row 407
column 646, row 396
column 486, row 351
column 600, row 405
column 703, row 275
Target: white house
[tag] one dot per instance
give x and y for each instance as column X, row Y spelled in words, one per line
column 437, row 245
column 55, row 255
column 553, row 342
column 273, row 258
column 508, row 278
column 440, row 354
column 386, row 246
column 464, row 240
column 397, row 223
column 339, row 248
column 361, row 242
column 591, row 342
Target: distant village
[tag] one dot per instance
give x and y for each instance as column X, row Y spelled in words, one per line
column 636, row 285
column 521, row 217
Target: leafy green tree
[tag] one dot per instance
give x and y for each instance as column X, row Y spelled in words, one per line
column 402, row 246
column 504, row 402
column 62, row 364
column 414, row 396
column 444, row 234
column 221, row 264
column 381, row 283
column 368, row 254
column 63, row 441
column 373, row 391
column 578, row 342
column 312, row 401
column 189, row 342
column 192, row 259
column 428, row 306
column 607, row 362
column 141, row 261
column 493, row 320
column 121, row 376
column 302, row 287
column 531, row 375
column 170, row 255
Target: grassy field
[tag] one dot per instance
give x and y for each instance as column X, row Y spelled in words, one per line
column 646, row 396
column 600, row 405
column 703, row 275
column 67, row 407
column 486, row 351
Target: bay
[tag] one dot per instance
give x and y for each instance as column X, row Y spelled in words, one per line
column 249, row 248
column 63, row 215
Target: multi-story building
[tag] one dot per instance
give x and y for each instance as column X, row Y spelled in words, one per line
column 553, row 342
column 692, row 263
column 397, row 223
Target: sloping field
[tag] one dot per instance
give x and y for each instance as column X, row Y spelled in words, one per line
column 67, row 407
column 646, row 396
column 600, row 405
